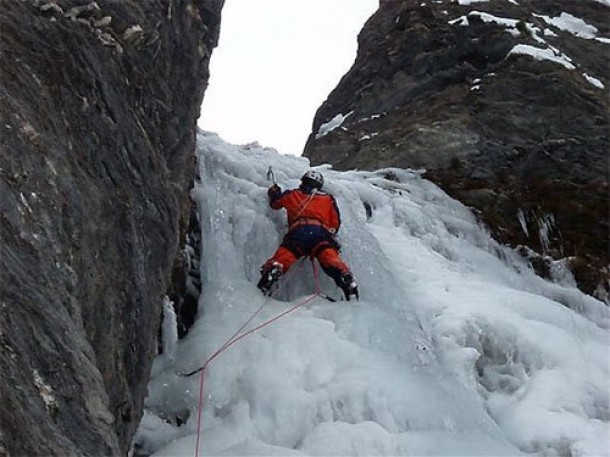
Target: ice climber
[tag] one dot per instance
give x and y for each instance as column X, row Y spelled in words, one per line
column 313, row 223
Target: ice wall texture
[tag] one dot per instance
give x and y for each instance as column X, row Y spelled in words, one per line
column 456, row 347
column 98, row 104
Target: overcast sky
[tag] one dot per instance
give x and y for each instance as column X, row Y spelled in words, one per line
column 276, row 62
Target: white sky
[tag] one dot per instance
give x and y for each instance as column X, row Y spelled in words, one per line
column 275, row 64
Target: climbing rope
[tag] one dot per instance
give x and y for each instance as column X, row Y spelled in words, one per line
column 238, row 336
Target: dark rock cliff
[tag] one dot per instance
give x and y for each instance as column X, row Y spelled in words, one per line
column 504, row 103
column 98, row 105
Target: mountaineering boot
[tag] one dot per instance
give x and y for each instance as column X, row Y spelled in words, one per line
column 269, row 276
column 349, row 286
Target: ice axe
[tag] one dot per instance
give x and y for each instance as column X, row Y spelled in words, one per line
column 271, row 175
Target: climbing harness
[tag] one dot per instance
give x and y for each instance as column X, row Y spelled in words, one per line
column 305, row 204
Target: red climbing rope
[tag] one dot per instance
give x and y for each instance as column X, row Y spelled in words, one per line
column 237, row 336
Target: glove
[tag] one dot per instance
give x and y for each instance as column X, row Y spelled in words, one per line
column 274, row 191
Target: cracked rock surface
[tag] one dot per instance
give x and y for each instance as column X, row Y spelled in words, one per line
column 98, row 105
column 504, row 104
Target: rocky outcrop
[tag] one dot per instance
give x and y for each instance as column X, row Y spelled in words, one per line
column 185, row 286
column 98, row 105
column 503, row 103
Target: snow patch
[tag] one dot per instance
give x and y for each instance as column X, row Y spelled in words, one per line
column 372, row 117
column 549, row 32
column 333, row 124
column 470, row 2
column 548, row 52
column 571, row 24
column 542, row 54
column 594, row 81
column 367, row 136
column 486, row 17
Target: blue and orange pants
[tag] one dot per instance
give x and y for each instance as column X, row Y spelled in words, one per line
column 313, row 241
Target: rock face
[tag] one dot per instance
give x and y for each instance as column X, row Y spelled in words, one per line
column 98, row 105
column 504, row 103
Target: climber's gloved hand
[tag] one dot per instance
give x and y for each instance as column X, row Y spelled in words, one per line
column 274, row 191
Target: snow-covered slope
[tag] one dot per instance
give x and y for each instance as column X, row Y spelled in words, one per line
column 456, row 347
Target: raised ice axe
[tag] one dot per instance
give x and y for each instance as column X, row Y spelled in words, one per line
column 271, row 175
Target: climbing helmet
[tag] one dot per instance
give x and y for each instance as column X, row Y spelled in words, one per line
column 314, row 179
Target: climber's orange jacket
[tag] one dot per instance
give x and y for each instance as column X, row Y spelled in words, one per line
column 306, row 207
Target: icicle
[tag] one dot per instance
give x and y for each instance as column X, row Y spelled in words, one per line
column 170, row 329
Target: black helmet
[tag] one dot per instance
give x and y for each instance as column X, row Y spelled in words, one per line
column 313, row 178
